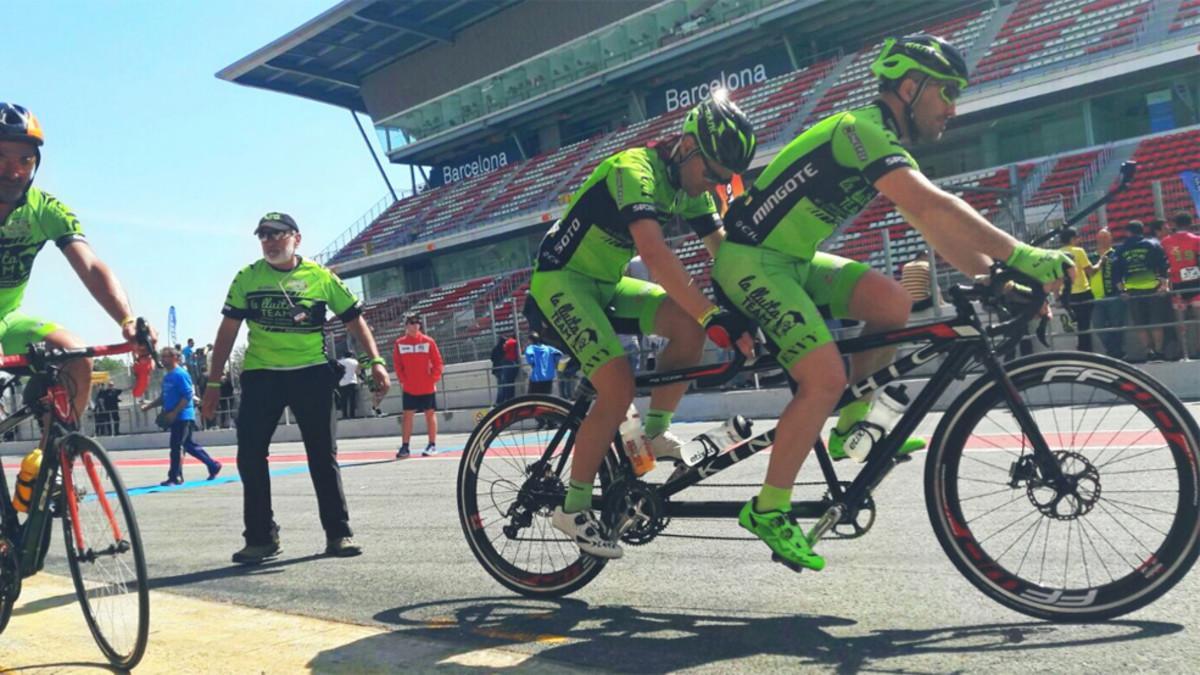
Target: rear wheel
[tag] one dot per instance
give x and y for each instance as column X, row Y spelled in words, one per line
column 1119, row 529
column 507, row 492
column 104, row 551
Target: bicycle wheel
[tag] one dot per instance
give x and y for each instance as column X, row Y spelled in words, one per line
column 1120, row 530
column 506, row 495
column 104, row 551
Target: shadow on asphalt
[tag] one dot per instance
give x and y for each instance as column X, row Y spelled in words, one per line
column 569, row 633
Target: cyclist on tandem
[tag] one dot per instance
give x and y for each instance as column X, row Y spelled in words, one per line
column 578, row 277
column 770, row 269
column 30, row 218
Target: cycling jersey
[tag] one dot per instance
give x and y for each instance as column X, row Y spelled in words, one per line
column 769, row 265
column 286, row 311
column 593, row 239
column 822, row 178
column 40, row 219
column 1140, row 263
column 1183, row 253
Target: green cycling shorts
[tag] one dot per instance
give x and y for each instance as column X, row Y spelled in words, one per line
column 782, row 293
column 588, row 314
column 18, row 330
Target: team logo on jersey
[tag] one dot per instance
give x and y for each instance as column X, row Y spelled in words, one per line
column 788, row 321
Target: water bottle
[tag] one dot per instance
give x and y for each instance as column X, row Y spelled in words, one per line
column 889, row 405
column 715, row 441
column 634, row 439
column 30, row 466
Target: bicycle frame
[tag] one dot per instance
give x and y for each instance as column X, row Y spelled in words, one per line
column 961, row 339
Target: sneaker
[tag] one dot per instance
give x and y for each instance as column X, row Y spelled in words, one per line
column 780, row 531
column 587, row 533
column 342, row 547
column 430, row 450
column 669, row 446
column 402, row 452
column 216, row 470
column 254, row 554
column 837, row 440
column 171, row 481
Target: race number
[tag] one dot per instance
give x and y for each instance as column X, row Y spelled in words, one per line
column 1189, row 274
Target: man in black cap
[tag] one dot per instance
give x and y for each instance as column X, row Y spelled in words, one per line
column 287, row 299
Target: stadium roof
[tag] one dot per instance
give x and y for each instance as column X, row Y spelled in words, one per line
column 327, row 58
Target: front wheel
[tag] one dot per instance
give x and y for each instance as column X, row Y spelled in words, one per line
column 507, row 491
column 1115, row 531
column 104, row 551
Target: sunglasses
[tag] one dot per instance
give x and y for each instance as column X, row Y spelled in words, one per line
column 273, row 235
column 710, row 175
column 950, row 92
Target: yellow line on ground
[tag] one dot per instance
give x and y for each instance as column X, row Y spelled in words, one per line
column 47, row 634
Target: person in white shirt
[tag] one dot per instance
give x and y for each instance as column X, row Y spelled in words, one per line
column 348, row 386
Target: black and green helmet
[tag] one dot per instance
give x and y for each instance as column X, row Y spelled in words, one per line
column 725, row 134
column 923, row 53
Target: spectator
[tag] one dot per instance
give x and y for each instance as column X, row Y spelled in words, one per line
column 1141, row 273
column 286, row 298
column 915, row 279
column 225, row 406
column 543, row 364
column 100, row 414
column 1182, row 247
column 1081, row 289
column 418, row 365
column 497, row 358
column 109, row 409
column 508, row 370
column 348, row 387
column 1109, row 307
column 201, row 368
column 189, row 358
column 179, row 415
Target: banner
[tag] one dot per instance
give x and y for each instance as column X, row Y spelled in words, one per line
column 1191, row 180
column 480, row 162
column 735, row 75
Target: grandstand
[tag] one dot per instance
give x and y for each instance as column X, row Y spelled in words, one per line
column 1062, row 92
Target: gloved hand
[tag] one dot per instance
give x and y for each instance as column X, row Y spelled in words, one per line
column 724, row 328
column 1042, row 264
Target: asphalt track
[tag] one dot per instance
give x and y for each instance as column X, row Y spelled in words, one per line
column 418, row 601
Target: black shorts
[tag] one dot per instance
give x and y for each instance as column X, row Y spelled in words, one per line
column 1189, row 291
column 420, row 401
column 1148, row 307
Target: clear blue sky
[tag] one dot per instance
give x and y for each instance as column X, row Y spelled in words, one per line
column 168, row 167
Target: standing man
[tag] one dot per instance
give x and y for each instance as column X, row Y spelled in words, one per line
column 418, row 366
column 1081, row 288
column 1182, row 247
column 348, row 387
column 543, row 364
column 507, row 370
column 1109, row 309
column 1141, row 275
column 189, row 357
column 30, row 218
column 287, row 300
column 179, row 413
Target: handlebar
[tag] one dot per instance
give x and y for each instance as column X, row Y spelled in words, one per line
column 38, row 356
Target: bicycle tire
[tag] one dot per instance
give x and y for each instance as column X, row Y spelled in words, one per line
column 10, row 581
column 959, row 454
column 104, row 551
column 561, row 569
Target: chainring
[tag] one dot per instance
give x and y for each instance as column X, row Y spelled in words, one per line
column 635, row 510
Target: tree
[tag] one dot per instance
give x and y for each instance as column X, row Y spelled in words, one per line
column 115, row 368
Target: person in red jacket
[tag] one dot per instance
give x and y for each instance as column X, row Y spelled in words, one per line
column 418, row 366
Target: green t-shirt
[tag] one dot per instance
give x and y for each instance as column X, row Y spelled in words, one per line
column 40, row 219
column 286, row 312
column 593, row 238
column 819, row 180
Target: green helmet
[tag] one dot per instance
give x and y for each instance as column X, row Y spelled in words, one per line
column 928, row 54
column 725, row 134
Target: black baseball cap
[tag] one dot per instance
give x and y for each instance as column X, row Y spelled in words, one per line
column 277, row 221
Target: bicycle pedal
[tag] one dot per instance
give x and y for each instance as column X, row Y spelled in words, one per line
column 775, row 557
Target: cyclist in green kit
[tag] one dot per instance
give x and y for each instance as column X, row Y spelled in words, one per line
column 771, row 270
column 584, row 299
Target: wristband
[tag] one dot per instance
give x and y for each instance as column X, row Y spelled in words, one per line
column 708, row 314
column 377, row 361
column 127, row 320
column 213, row 385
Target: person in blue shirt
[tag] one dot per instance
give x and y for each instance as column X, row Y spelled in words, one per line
column 543, row 363
column 179, row 415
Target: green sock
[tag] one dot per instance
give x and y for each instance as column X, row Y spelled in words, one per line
column 771, row 498
column 852, row 413
column 579, row 497
column 657, row 421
